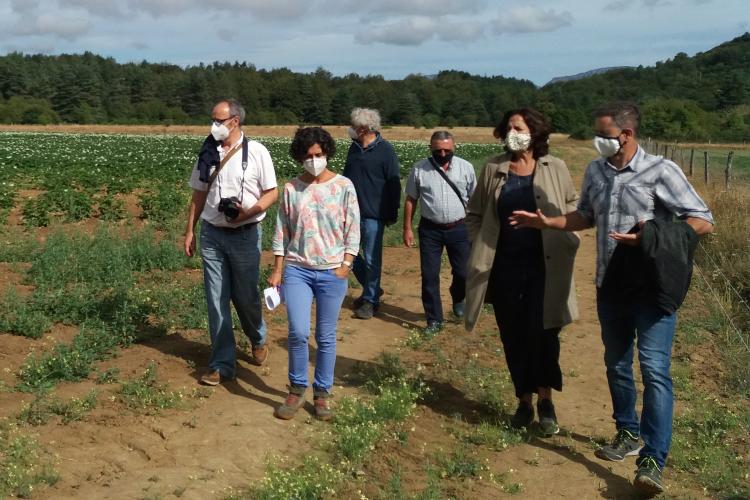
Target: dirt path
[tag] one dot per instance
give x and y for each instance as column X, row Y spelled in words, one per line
column 224, row 440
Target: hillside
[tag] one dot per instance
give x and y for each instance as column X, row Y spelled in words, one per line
column 703, row 97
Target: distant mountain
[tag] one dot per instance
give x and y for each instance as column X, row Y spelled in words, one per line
column 585, row 74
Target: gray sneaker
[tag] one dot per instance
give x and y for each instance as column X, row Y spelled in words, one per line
column 648, row 476
column 625, row 444
column 547, row 418
column 365, row 311
column 459, row 308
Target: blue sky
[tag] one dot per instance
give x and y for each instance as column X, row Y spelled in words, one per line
column 534, row 40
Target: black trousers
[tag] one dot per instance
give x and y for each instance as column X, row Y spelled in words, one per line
column 432, row 240
column 531, row 351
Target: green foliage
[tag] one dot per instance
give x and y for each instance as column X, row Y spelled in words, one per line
column 23, row 465
column 497, row 436
column 39, row 411
column 163, row 204
column 69, row 204
column 92, row 89
column 108, row 376
column 70, row 362
column 314, row 479
column 146, row 393
column 459, row 463
column 20, row 318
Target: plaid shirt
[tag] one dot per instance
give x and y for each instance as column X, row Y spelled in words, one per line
column 648, row 187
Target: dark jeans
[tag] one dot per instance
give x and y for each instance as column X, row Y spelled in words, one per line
column 432, row 240
column 531, row 351
column 625, row 326
column 367, row 265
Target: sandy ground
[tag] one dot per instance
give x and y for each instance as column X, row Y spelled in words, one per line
column 223, row 441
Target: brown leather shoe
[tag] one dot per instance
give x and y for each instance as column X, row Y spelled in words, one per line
column 212, row 377
column 293, row 402
column 260, row 354
column 321, row 400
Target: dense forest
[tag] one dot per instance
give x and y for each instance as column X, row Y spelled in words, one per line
column 704, row 97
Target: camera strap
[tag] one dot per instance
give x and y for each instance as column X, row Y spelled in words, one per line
column 228, row 156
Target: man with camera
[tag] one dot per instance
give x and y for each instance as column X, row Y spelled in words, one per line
column 233, row 184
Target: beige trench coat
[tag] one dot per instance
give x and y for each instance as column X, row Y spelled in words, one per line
column 555, row 195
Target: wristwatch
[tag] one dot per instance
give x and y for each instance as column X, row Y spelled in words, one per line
column 346, row 263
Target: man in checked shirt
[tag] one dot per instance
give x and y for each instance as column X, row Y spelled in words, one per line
column 622, row 190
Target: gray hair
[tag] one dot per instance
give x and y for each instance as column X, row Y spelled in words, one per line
column 364, row 117
column 441, row 135
column 235, row 109
column 624, row 114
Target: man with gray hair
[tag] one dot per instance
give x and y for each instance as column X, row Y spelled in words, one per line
column 648, row 219
column 373, row 168
column 443, row 184
column 233, row 184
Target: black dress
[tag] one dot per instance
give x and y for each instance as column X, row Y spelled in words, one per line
column 517, row 282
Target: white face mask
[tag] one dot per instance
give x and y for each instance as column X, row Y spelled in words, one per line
column 353, row 134
column 315, row 166
column 607, row 146
column 517, row 141
column 220, row 132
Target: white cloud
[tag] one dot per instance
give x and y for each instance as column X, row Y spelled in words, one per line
column 531, row 20
column 67, row 28
column 24, row 6
column 96, row 7
column 409, row 31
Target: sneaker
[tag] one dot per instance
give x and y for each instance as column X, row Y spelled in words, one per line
column 433, row 327
column 212, row 377
column 625, row 444
column 260, row 354
column 523, row 417
column 293, row 402
column 321, row 400
column 458, row 308
column 648, row 476
column 547, row 418
column 359, row 301
column 365, row 311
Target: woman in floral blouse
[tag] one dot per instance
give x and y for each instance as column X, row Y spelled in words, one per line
column 317, row 237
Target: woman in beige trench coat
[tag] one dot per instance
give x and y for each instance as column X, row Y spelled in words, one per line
column 526, row 274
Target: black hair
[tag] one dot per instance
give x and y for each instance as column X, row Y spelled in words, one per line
column 306, row 137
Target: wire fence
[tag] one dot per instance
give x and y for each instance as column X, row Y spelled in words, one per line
column 711, row 166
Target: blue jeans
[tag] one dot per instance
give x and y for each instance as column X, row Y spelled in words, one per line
column 432, row 240
column 301, row 285
column 231, row 262
column 653, row 331
column 368, row 263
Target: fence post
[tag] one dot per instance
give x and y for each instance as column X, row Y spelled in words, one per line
column 674, row 150
column 692, row 156
column 705, row 167
column 666, row 146
column 728, row 171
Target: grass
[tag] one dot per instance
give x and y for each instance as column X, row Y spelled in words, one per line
column 146, row 394
column 45, row 406
column 21, row 318
column 359, row 426
column 23, row 464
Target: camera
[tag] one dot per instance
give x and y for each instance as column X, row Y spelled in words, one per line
column 227, row 206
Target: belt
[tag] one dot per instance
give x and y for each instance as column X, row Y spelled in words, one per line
column 449, row 225
column 237, row 229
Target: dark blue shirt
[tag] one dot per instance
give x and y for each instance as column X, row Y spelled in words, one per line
column 517, row 194
column 375, row 173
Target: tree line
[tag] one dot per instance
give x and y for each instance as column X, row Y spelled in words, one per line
column 704, row 97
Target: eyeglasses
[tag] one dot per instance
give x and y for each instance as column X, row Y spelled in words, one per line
column 219, row 121
column 444, row 151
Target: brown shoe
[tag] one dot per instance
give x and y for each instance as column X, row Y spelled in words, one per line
column 293, row 402
column 321, row 400
column 260, row 355
column 212, row 377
